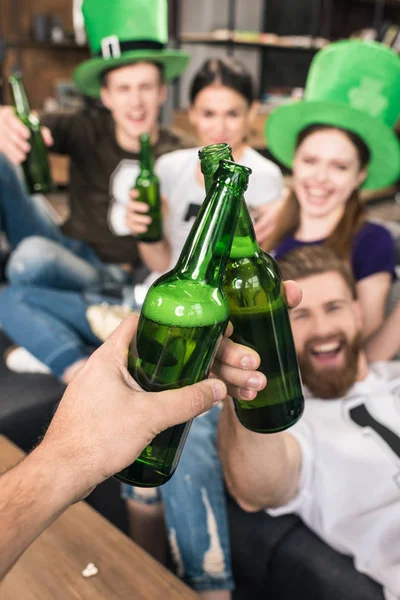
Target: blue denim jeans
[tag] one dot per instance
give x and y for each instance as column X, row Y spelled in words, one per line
column 51, row 324
column 195, row 509
column 42, row 254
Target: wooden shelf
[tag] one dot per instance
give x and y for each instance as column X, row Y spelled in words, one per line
column 395, row 3
column 42, row 63
column 33, row 44
column 281, row 42
column 59, row 165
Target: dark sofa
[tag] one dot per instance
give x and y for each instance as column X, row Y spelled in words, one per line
column 27, row 402
column 278, row 558
column 273, row 558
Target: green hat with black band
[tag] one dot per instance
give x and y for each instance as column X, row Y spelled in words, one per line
column 122, row 32
column 353, row 85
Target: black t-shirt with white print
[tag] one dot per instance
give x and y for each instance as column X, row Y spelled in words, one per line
column 99, row 170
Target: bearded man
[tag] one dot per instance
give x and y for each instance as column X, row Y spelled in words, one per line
column 338, row 468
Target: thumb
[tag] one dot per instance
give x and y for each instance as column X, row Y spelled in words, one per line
column 134, row 194
column 117, row 344
column 48, row 138
column 179, row 406
column 293, row 293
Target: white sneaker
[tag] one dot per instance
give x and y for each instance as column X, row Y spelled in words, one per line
column 20, row 360
column 104, row 318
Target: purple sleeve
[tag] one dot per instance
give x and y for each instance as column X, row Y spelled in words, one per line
column 285, row 246
column 373, row 252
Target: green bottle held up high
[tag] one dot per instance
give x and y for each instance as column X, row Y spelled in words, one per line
column 260, row 319
column 36, row 165
column 183, row 317
column 148, row 185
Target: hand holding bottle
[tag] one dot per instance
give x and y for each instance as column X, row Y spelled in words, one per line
column 183, row 318
column 148, row 185
column 235, row 364
column 137, row 217
column 116, row 436
column 14, row 136
column 258, row 312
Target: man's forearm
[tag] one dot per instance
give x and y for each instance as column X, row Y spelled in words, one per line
column 156, row 256
column 385, row 343
column 261, row 470
column 32, row 495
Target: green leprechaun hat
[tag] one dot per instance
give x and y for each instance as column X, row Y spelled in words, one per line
column 122, row 32
column 353, row 85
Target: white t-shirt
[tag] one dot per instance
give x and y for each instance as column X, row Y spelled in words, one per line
column 349, row 489
column 177, row 173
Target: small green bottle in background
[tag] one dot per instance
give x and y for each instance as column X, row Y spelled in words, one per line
column 148, row 185
column 35, row 167
column 260, row 319
column 183, row 318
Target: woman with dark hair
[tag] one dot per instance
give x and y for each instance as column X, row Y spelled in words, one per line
column 222, row 109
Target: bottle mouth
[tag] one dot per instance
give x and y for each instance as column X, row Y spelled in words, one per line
column 210, row 156
column 233, row 174
column 214, row 149
column 144, row 137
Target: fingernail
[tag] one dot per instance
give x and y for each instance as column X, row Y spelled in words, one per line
column 247, row 394
column 254, row 383
column 248, row 362
column 219, row 391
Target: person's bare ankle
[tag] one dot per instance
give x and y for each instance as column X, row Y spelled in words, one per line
column 70, row 373
column 147, row 526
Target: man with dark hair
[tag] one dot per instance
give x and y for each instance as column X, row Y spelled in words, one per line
column 129, row 69
column 339, row 467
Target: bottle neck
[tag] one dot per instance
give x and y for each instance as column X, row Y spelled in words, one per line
column 146, row 156
column 208, row 179
column 244, row 242
column 208, row 245
column 19, row 96
column 210, row 157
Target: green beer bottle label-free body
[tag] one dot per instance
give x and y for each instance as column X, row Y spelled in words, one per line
column 183, row 318
column 148, row 185
column 257, row 310
column 35, row 167
column 260, row 320
column 178, row 332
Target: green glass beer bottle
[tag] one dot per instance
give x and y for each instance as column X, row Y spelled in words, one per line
column 35, row 167
column 260, row 319
column 148, row 185
column 183, row 317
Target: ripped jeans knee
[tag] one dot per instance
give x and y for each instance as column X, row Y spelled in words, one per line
column 195, row 510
